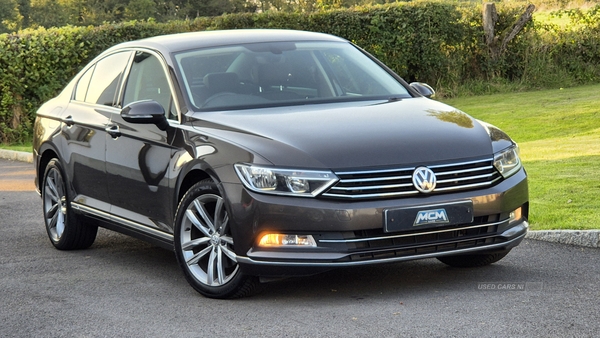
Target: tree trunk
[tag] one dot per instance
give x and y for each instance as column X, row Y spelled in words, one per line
column 490, row 18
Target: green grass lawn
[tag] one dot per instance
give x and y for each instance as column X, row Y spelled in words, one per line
column 558, row 132
column 21, row 147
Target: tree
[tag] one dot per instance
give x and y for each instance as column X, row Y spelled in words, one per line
column 52, row 13
column 24, row 9
column 10, row 18
column 141, row 10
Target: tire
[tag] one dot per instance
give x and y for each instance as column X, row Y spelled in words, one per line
column 471, row 261
column 204, row 246
column 64, row 227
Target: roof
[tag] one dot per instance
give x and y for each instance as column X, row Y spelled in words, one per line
column 194, row 40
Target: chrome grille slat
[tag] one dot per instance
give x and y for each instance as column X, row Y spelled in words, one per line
column 395, row 194
column 458, row 164
column 464, row 178
column 376, row 179
column 377, row 172
column 389, row 186
column 470, row 186
column 464, row 171
column 397, row 182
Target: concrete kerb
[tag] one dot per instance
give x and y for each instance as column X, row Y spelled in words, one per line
column 587, row 238
column 16, row 155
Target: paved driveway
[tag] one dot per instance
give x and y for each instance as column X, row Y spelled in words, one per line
column 122, row 287
column 16, row 176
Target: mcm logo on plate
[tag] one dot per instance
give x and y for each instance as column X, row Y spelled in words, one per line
column 424, row 179
column 436, row 216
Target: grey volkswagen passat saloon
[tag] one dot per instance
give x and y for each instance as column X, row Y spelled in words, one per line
column 272, row 153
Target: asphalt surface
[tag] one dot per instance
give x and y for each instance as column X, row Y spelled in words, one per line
column 16, row 176
column 123, row 287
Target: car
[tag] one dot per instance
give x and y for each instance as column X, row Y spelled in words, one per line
column 256, row 155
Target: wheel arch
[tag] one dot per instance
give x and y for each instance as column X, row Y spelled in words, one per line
column 45, row 157
column 192, row 177
column 194, row 172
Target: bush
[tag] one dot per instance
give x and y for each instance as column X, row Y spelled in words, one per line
column 433, row 42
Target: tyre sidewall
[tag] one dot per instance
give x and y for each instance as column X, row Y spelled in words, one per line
column 69, row 219
column 76, row 235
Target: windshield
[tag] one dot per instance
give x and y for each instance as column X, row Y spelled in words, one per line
column 283, row 73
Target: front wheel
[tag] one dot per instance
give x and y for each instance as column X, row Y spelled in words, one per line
column 474, row 260
column 204, row 246
column 64, row 228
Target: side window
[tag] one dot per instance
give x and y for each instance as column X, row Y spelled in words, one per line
column 148, row 81
column 83, row 84
column 105, row 79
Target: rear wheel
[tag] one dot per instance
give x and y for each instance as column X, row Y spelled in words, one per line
column 470, row 261
column 64, row 228
column 204, row 246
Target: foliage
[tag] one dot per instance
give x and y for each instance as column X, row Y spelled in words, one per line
column 9, row 15
column 56, row 13
column 35, row 64
column 440, row 43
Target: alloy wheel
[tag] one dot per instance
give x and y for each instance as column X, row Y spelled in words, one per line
column 55, row 204
column 206, row 243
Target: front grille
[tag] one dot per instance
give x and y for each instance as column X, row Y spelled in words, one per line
column 389, row 183
column 375, row 244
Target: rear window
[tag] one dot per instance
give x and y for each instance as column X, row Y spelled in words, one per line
column 99, row 84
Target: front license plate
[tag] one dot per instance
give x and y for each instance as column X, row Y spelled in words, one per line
column 428, row 216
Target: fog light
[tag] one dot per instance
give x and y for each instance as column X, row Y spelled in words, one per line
column 274, row 240
column 514, row 215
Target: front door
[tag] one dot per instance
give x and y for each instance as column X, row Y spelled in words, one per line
column 138, row 155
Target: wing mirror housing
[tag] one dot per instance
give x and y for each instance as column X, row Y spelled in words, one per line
column 145, row 112
column 423, row 89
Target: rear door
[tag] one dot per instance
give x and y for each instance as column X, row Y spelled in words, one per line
column 85, row 122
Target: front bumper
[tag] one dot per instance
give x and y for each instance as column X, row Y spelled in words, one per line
column 265, row 263
column 352, row 233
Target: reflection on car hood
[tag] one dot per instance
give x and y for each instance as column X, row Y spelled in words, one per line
column 352, row 135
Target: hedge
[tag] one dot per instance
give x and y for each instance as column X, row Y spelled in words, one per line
column 434, row 42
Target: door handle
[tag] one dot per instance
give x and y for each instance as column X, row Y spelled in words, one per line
column 69, row 121
column 113, row 131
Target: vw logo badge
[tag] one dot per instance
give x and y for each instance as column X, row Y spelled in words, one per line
column 424, row 179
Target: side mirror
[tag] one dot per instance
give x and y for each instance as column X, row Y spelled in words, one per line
column 145, row 112
column 423, row 89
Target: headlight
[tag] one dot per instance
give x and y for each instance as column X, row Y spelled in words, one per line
column 507, row 161
column 305, row 183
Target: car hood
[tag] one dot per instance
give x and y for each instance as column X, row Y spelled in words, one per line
column 352, row 135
